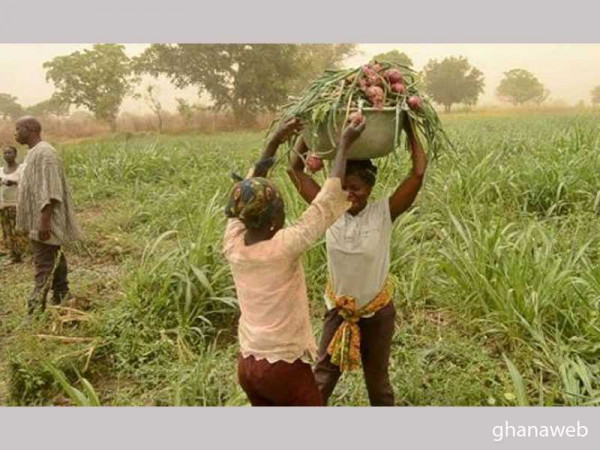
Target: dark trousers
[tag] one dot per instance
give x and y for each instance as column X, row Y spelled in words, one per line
column 279, row 383
column 375, row 343
column 45, row 262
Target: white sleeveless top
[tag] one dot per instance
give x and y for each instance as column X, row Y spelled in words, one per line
column 358, row 252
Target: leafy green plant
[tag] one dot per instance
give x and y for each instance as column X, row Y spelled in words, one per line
column 87, row 397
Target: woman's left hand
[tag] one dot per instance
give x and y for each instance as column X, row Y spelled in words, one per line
column 287, row 129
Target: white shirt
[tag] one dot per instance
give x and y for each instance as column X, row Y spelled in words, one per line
column 358, row 252
column 8, row 194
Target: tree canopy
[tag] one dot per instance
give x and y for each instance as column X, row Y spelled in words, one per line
column 520, row 86
column 245, row 79
column 54, row 106
column 395, row 56
column 10, row 107
column 453, row 80
column 98, row 80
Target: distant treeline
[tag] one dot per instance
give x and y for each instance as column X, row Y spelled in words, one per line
column 244, row 84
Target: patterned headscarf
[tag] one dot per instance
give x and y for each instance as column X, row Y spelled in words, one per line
column 254, row 201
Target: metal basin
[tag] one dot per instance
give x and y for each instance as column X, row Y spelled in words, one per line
column 377, row 139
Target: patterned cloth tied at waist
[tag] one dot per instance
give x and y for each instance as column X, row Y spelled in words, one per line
column 344, row 348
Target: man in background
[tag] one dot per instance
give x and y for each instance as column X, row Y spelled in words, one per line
column 46, row 213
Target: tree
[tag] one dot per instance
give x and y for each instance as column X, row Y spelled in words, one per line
column 244, row 79
column 596, row 96
column 151, row 98
column 520, row 86
column 9, row 107
column 54, row 106
column 394, row 56
column 452, row 80
column 97, row 79
column 315, row 58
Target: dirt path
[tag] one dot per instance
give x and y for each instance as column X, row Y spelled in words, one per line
column 96, row 277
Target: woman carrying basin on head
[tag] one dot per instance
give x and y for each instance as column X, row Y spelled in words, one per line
column 359, row 323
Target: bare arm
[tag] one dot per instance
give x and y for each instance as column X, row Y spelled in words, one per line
column 305, row 184
column 406, row 193
column 330, row 202
column 307, row 187
column 352, row 132
column 291, row 126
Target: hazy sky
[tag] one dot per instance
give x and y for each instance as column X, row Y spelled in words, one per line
column 570, row 71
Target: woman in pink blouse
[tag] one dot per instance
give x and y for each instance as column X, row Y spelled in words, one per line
column 276, row 338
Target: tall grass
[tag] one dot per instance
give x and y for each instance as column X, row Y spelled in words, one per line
column 499, row 285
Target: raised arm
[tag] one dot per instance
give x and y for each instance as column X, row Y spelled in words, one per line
column 351, row 133
column 329, row 203
column 406, row 193
column 305, row 184
column 307, row 187
column 266, row 160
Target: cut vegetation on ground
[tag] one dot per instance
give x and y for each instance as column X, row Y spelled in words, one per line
column 498, row 266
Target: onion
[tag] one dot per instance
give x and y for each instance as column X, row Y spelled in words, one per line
column 368, row 70
column 414, row 102
column 373, row 80
column 375, row 96
column 314, row 163
column 394, row 76
column 374, row 91
column 371, row 76
column 399, row 88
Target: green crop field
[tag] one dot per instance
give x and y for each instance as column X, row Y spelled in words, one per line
column 498, row 269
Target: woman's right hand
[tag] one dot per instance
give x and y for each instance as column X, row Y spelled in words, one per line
column 353, row 131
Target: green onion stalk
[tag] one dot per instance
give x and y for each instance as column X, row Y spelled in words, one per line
column 337, row 93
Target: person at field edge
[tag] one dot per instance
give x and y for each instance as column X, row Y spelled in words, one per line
column 359, row 322
column 276, row 339
column 46, row 213
column 9, row 180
